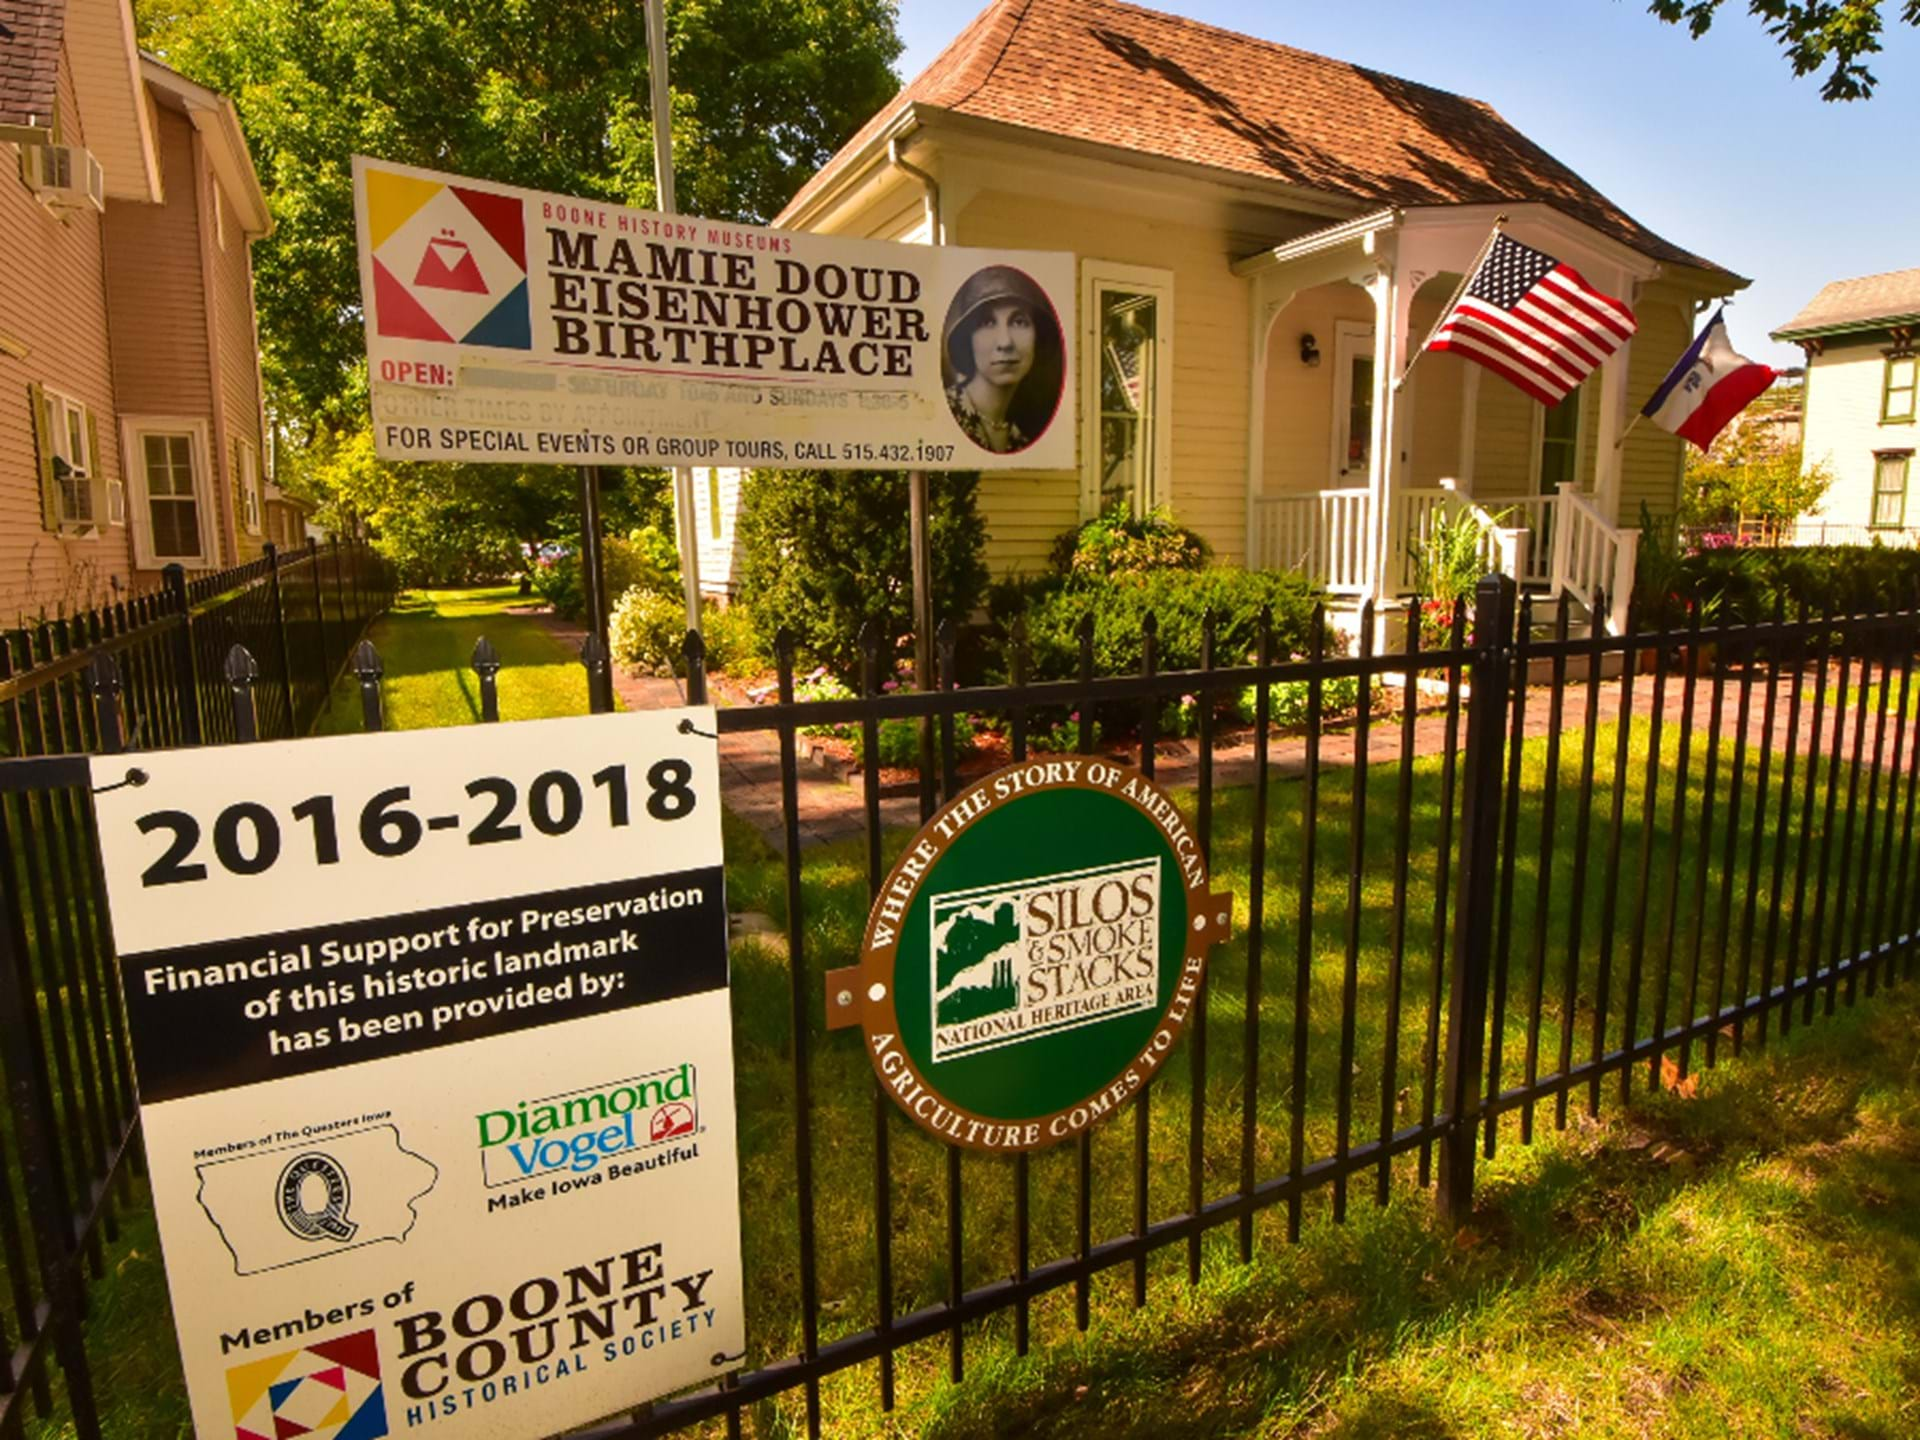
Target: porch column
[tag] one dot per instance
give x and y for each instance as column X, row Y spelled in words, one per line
column 1262, row 309
column 1392, row 300
column 1612, row 417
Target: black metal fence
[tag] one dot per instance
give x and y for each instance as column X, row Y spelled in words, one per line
column 1526, row 867
column 145, row 673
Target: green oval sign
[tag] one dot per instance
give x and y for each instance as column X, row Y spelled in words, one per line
column 1034, row 955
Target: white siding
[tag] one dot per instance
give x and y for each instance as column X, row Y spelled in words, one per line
column 1843, row 428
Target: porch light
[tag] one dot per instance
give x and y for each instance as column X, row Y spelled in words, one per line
column 1309, row 350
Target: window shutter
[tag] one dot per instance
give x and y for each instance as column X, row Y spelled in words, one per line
column 96, row 470
column 43, row 458
column 239, row 500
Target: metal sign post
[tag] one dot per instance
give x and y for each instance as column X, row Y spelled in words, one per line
column 683, row 511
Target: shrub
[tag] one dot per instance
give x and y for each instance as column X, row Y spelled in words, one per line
column 822, row 686
column 646, row 631
column 1745, row 585
column 645, row 558
column 1288, row 700
column 899, row 741
column 1062, row 737
column 1117, row 542
column 823, row 553
column 1178, row 601
column 1446, row 564
column 734, row 643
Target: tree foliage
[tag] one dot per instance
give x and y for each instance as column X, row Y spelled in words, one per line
column 1812, row 33
column 448, row 524
column 549, row 94
column 1750, row 482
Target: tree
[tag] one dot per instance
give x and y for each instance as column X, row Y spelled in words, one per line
column 1750, row 481
column 1813, row 33
column 548, row 94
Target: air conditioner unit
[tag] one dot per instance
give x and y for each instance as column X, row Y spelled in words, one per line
column 65, row 176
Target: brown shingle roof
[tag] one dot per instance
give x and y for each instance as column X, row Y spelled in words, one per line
column 1115, row 74
column 29, row 60
column 1860, row 304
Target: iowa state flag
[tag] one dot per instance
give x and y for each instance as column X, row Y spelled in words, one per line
column 1710, row 385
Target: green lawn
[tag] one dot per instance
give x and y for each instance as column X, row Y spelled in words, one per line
column 1734, row 1264
column 426, row 647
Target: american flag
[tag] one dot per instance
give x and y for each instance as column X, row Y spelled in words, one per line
column 1534, row 321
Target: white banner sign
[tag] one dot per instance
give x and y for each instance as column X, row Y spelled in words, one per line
column 433, row 1043
column 527, row 328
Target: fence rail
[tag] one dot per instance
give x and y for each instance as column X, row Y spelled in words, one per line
column 1460, row 924
column 140, row 674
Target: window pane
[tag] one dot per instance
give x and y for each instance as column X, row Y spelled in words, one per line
column 1898, row 402
column 1890, row 490
column 76, row 438
column 1129, row 384
column 1360, row 415
column 176, row 528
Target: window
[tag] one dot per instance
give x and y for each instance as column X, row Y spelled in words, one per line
column 1898, row 389
column 168, row 471
column 1128, row 369
column 1890, row 489
column 1560, row 444
column 1352, row 404
column 65, row 445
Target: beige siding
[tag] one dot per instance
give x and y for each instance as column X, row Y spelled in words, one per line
column 1504, row 438
column 1651, row 460
column 1299, row 424
column 153, row 282
column 52, row 300
column 1843, row 429
column 238, row 351
column 1434, row 393
column 1025, row 511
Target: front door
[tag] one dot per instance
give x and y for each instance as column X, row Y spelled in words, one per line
column 1352, row 404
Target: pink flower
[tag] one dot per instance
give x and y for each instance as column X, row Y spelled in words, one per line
column 887, row 687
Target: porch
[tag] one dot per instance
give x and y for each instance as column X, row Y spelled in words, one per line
column 1354, row 458
column 1550, row 544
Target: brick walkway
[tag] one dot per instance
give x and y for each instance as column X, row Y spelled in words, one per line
column 831, row 809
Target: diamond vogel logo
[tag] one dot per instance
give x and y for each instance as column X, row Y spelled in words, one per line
column 449, row 262
column 1034, row 955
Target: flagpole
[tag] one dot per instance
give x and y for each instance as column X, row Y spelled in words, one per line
column 1454, row 299
column 1638, row 416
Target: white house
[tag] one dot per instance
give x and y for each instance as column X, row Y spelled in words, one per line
column 1264, row 238
column 1862, row 405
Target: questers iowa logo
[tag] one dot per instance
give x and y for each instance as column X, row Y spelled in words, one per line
column 449, row 262
column 330, row 1193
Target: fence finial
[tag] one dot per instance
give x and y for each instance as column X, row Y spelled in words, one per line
column 241, row 671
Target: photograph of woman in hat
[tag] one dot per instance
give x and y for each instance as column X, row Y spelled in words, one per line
column 1002, row 361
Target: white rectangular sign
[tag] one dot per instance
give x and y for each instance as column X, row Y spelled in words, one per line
column 434, row 1051
column 528, row 328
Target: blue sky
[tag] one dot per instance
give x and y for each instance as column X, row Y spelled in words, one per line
column 1711, row 143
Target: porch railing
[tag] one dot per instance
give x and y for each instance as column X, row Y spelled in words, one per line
column 1590, row 555
column 1558, row 542
column 1321, row 533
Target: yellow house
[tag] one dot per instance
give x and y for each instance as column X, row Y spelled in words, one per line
column 1862, row 406
column 1264, row 238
